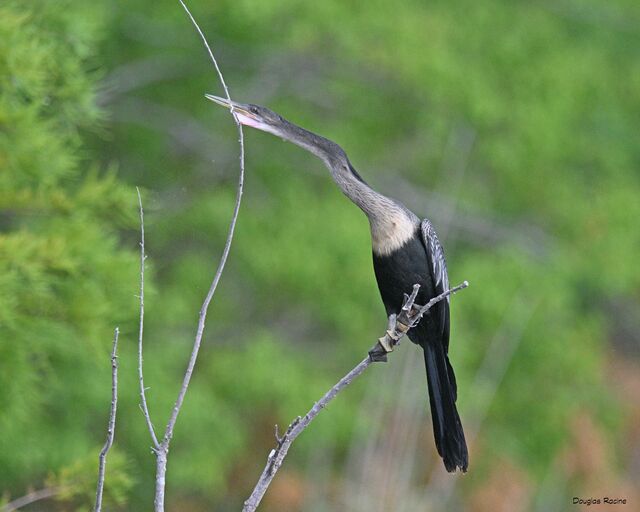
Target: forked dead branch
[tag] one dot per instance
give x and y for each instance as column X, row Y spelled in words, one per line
column 161, row 447
column 409, row 316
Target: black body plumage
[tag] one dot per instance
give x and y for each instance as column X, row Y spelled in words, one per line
column 396, row 273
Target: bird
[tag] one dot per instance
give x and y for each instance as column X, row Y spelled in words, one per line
column 406, row 251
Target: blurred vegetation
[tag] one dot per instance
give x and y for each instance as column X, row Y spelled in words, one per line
column 512, row 125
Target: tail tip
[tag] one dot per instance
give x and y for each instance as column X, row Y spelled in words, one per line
column 453, row 466
column 456, row 458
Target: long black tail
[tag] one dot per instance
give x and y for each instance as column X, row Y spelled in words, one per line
column 447, row 427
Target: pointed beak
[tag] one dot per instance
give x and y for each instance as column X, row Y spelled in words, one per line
column 220, row 101
column 240, row 109
column 243, row 113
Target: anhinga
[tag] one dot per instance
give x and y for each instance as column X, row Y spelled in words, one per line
column 406, row 251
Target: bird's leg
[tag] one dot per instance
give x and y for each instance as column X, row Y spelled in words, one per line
column 408, row 315
column 402, row 324
column 386, row 344
column 397, row 326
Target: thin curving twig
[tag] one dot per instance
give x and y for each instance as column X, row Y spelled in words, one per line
column 163, row 448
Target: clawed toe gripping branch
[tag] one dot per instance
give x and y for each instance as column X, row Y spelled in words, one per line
column 409, row 316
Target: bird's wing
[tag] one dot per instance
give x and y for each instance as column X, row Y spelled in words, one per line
column 435, row 254
column 436, row 257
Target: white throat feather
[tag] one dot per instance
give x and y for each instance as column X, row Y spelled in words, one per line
column 390, row 232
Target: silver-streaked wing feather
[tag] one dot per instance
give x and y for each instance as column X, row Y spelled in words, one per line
column 436, row 253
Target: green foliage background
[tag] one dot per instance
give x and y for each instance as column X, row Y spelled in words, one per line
column 512, row 125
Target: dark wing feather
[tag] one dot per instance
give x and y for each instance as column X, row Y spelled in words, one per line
column 443, row 390
column 438, row 265
column 436, row 257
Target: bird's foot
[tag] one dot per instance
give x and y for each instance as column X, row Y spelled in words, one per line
column 378, row 353
column 399, row 329
column 386, row 344
column 410, row 311
column 416, row 311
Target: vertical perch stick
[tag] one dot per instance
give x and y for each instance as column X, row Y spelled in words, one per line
column 111, row 428
column 143, row 390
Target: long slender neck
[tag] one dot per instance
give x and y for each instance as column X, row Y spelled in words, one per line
column 391, row 223
column 372, row 203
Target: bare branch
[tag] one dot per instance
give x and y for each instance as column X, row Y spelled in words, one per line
column 437, row 299
column 32, row 497
column 225, row 252
column 409, row 316
column 143, row 390
column 215, row 65
column 163, row 448
column 111, row 428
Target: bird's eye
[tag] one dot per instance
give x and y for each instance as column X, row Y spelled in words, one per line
column 253, row 109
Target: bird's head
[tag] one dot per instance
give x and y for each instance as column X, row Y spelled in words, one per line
column 252, row 115
column 267, row 120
